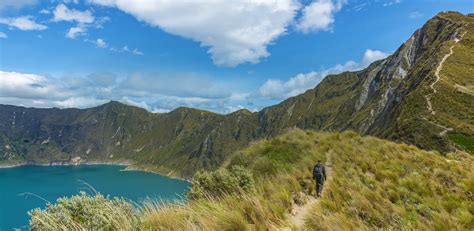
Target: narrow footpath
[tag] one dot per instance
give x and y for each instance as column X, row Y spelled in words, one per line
column 299, row 214
column 438, row 77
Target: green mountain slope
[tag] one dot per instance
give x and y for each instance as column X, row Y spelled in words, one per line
column 389, row 98
column 420, row 95
column 376, row 184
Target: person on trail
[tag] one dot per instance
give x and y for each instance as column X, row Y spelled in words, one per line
column 319, row 174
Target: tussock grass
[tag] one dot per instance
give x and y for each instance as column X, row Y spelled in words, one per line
column 379, row 184
column 86, row 212
column 376, row 184
column 281, row 168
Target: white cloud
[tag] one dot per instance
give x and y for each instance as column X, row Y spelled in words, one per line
column 100, row 43
column 360, row 6
column 74, row 32
column 232, row 108
column 79, row 102
column 154, row 93
column 62, row 13
column 278, row 89
column 319, row 15
column 23, row 23
column 158, row 92
column 3, row 35
column 392, row 2
column 45, row 11
column 415, row 14
column 137, row 52
column 235, row 32
column 141, row 104
column 83, row 19
column 71, row 1
column 372, row 55
column 298, row 84
column 125, row 49
column 16, row 4
column 41, row 91
column 30, row 86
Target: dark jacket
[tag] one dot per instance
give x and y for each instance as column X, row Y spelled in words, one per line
column 317, row 175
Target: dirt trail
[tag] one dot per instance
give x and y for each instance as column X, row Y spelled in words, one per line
column 300, row 213
column 445, row 129
column 438, row 77
column 429, row 105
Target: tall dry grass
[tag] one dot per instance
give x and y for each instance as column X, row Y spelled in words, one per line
column 376, row 185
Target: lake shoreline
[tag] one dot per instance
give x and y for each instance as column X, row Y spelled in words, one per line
column 129, row 167
column 132, row 167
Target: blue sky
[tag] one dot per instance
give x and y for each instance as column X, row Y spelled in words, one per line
column 214, row 55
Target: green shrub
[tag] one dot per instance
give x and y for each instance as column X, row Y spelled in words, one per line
column 85, row 212
column 464, row 141
column 222, row 182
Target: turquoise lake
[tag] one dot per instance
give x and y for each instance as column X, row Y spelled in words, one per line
column 52, row 182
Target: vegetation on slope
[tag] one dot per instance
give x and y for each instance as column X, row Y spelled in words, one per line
column 376, row 184
column 466, row 142
column 388, row 99
column 84, row 212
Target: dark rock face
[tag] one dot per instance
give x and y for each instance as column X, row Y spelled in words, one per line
column 388, row 99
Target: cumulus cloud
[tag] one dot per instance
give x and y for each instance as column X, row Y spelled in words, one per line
column 16, row 4
column 235, row 32
column 71, row 1
column 415, row 14
column 29, row 86
column 80, row 102
column 159, row 92
column 125, row 49
column 63, row 13
column 23, row 23
column 3, row 35
column 74, row 32
column 319, row 15
column 100, row 43
column 41, row 91
column 392, row 2
column 179, row 84
column 278, row 89
column 83, row 20
column 152, row 92
column 137, row 52
column 372, row 55
column 45, row 11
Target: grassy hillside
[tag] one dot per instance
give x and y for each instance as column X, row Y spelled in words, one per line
column 389, row 99
column 376, row 184
column 420, row 95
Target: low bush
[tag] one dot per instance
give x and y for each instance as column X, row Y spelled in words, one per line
column 86, row 212
column 222, row 182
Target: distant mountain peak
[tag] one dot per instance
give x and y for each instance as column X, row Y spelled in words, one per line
column 393, row 98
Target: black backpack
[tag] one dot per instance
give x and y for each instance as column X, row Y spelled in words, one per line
column 318, row 171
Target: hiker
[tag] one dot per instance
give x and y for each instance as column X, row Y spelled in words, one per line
column 319, row 174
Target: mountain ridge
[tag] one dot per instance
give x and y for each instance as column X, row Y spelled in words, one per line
column 387, row 99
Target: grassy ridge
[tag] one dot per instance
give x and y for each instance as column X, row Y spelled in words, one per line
column 376, row 184
column 281, row 168
column 379, row 184
column 388, row 99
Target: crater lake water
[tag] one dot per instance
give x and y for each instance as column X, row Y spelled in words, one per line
column 52, row 182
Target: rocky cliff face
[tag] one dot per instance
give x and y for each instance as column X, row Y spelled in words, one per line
column 420, row 95
column 411, row 96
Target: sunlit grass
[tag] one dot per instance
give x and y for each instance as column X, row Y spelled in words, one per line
column 376, row 184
